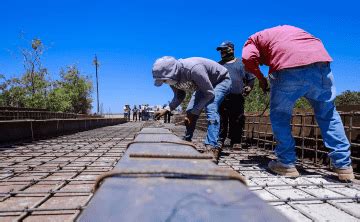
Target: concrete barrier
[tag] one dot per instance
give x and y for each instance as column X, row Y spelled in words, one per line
column 27, row 130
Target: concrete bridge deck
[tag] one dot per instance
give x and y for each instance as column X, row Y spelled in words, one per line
column 50, row 180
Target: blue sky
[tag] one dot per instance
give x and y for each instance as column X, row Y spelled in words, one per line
column 128, row 36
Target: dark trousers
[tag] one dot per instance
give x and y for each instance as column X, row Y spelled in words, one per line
column 135, row 116
column 167, row 117
column 232, row 119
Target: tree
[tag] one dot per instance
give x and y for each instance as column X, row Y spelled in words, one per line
column 59, row 99
column 348, row 98
column 3, row 90
column 12, row 92
column 72, row 93
column 186, row 101
column 302, row 103
column 31, row 89
column 35, row 80
column 256, row 101
column 34, row 89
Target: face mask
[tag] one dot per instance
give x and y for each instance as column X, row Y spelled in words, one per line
column 170, row 82
column 227, row 54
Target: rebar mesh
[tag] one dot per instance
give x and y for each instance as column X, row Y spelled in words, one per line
column 51, row 180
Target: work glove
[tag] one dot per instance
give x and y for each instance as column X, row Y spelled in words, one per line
column 189, row 119
column 159, row 114
column 246, row 90
column 263, row 84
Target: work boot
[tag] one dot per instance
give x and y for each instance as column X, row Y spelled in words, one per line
column 221, row 144
column 345, row 173
column 236, row 146
column 186, row 139
column 215, row 152
column 283, row 169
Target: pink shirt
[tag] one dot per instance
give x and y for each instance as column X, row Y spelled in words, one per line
column 282, row 47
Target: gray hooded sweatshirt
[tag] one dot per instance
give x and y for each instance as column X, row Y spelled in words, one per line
column 195, row 73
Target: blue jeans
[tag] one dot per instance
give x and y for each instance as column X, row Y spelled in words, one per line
column 315, row 82
column 211, row 110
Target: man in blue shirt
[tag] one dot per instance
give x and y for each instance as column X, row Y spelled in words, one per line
column 231, row 111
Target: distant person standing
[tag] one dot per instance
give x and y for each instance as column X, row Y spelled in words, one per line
column 167, row 116
column 299, row 67
column 145, row 113
column 232, row 119
column 127, row 112
column 135, row 113
column 210, row 83
column 139, row 113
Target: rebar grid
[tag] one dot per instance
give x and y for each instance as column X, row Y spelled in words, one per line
column 307, row 134
column 318, row 187
column 50, row 179
column 305, row 186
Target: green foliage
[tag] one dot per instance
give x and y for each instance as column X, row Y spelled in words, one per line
column 34, row 89
column 12, row 93
column 72, row 93
column 59, row 100
column 302, row 103
column 256, row 101
column 348, row 98
column 186, row 100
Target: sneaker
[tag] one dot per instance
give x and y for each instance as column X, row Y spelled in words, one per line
column 283, row 169
column 345, row 173
column 215, row 152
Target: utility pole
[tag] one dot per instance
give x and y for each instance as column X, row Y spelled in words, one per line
column 96, row 63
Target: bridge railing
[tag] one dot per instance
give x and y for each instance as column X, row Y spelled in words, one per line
column 14, row 114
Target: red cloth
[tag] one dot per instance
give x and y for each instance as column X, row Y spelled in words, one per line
column 282, row 47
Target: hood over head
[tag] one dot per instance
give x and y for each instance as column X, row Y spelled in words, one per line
column 165, row 68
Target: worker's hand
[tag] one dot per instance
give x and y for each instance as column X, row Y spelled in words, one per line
column 189, row 119
column 263, row 84
column 159, row 114
column 246, row 90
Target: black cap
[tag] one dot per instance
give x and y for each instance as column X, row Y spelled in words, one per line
column 226, row 44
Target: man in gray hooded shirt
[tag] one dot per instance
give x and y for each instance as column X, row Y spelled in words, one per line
column 210, row 83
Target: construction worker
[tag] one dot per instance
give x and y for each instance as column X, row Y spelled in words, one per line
column 167, row 116
column 129, row 111
column 140, row 113
column 299, row 67
column 126, row 112
column 232, row 108
column 135, row 113
column 210, row 83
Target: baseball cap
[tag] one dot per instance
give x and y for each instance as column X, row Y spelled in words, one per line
column 225, row 44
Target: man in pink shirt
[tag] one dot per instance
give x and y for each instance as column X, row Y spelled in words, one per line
column 299, row 67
